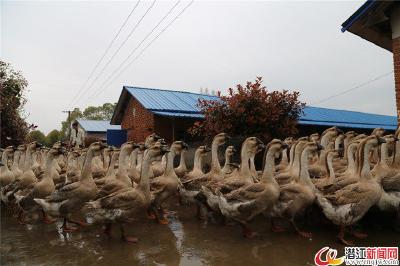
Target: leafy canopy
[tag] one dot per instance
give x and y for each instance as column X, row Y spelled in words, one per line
column 14, row 127
column 250, row 110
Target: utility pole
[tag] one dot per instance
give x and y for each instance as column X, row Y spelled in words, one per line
column 69, row 126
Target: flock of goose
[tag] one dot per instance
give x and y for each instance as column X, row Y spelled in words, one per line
column 345, row 174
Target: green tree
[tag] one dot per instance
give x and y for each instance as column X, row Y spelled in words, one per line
column 52, row 137
column 37, row 135
column 102, row 112
column 13, row 85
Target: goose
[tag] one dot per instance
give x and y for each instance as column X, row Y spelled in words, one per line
column 191, row 188
column 244, row 175
column 349, row 176
column 323, row 181
column 126, row 205
column 240, row 178
column 285, row 160
column 6, row 176
column 293, row 169
column 17, row 156
column 215, row 172
column 44, row 187
column 228, row 167
column 243, row 204
column 71, row 197
column 110, row 175
column 28, row 178
column 389, row 178
column 133, row 172
column 185, row 195
column 299, row 194
column 374, row 156
column 318, row 169
column 182, row 169
column 166, row 185
column 348, row 205
column 121, row 179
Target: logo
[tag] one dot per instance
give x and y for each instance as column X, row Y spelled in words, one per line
column 373, row 256
column 329, row 259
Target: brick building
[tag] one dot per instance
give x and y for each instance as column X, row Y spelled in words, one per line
column 379, row 23
column 141, row 111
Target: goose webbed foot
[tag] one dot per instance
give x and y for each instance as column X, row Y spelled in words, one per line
column 80, row 223
column 359, row 235
column 341, row 237
column 21, row 218
column 276, row 228
column 46, row 219
column 150, row 214
column 301, row 233
column 247, row 232
column 125, row 238
column 107, row 230
column 67, row 229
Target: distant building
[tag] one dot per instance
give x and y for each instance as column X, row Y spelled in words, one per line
column 96, row 129
column 379, row 23
column 141, row 111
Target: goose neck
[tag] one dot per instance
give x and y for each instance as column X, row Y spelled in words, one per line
column 87, row 165
column 169, row 166
column 383, row 154
column 269, row 167
column 215, row 166
column 364, row 167
column 304, row 174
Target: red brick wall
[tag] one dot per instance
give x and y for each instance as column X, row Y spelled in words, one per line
column 396, row 63
column 140, row 125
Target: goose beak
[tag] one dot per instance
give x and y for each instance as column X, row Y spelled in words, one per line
column 207, row 149
column 319, row 147
column 185, row 145
column 134, row 146
column 285, row 146
column 381, row 140
column 339, row 131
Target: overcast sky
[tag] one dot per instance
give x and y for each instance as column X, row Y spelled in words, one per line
column 215, row 45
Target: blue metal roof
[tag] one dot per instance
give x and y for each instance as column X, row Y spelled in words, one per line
column 96, row 125
column 343, row 118
column 358, row 14
column 167, row 100
column 184, row 104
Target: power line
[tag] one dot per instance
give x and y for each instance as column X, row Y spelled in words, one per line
column 119, row 48
column 148, row 45
column 105, row 52
column 353, row 88
column 134, row 50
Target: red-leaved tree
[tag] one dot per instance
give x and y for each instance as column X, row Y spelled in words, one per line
column 250, row 110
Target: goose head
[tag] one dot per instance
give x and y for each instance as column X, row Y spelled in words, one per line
column 329, row 134
column 230, row 151
column 378, row 132
column 276, row 146
column 33, row 146
column 202, row 151
column 128, row 147
column 314, row 137
column 21, row 148
column 57, row 150
column 349, row 135
column 253, row 145
column 96, row 147
column 312, row 147
column 154, row 151
column 289, row 141
column 221, row 139
column 151, row 139
column 178, row 146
